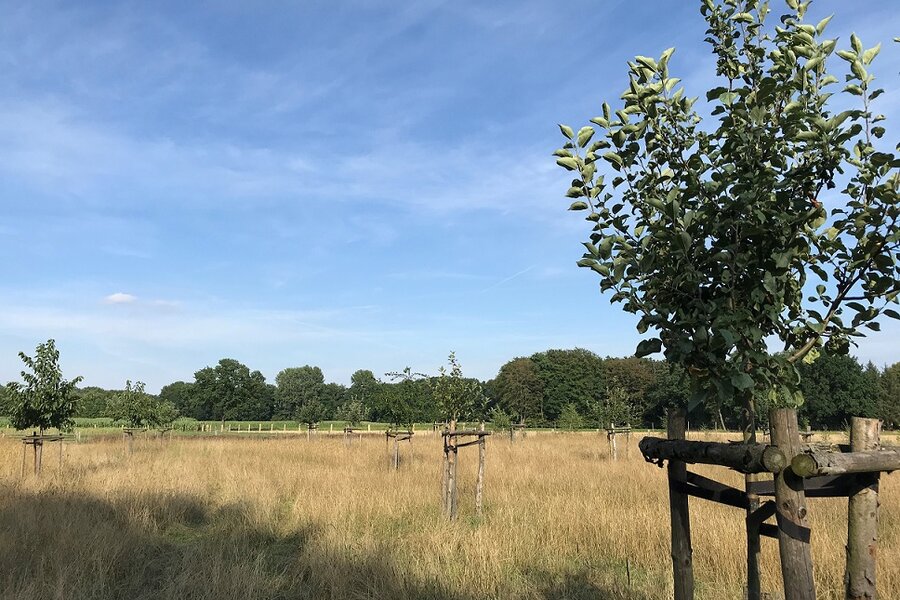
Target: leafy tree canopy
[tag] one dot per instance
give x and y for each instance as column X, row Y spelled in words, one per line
column 722, row 234
column 134, row 406
column 45, row 400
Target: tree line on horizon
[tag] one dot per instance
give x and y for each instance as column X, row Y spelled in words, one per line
column 569, row 389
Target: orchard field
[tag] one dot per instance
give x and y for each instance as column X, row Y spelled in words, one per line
column 234, row 516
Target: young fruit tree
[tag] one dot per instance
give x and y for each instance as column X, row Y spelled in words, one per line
column 771, row 221
column 753, row 230
column 134, row 407
column 458, row 397
column 45, row 400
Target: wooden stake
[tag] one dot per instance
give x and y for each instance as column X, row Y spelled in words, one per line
column 396, row 453
column 791, row 511
column 862, row 521
column 451, row 475
column 754, row 583
column 445, row 477
column 38, row 453
column 479, row 482
column 682, row 560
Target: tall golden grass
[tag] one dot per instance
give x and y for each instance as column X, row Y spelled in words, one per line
column 287, row 518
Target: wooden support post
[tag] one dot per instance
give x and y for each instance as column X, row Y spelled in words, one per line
column 396, row 453
column 38, row 453
column 754, row 548
column 628, row 441
column 479, row 482
column 862, row 518
column 612, row 442
column 24, row 454
column 445, row 476
column 682, row 560
column 791, row 511
column 451, row 473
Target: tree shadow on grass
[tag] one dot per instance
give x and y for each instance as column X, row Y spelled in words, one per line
column 57, row 545
column 580, row 585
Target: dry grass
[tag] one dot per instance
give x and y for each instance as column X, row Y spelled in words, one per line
column 287, row 518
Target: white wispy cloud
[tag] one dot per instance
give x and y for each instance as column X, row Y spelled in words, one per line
column 120, row 298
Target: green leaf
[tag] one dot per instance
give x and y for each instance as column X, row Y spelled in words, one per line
column 578, row 205
column 648, row 347
column 870, row 54
column 568, row 163
column 584, row 135
column 820, row 27
column 567, row 131
column 742, row 381
column 856, row 43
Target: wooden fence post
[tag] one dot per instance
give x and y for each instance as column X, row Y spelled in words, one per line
column 396, row 452
column 479, row 482
column 862, row 518
column 682, row 560
column 791, row 511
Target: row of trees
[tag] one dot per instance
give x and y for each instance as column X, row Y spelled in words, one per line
column 565, row 388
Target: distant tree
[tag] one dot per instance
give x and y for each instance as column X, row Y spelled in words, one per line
column 353, row 412
column 92, row 401
column 183, row 396
column 635, row 376
column 396, row 402
column 334, row 395
column 836, row 388
column 500, row 420
column 311, row 412
column 134, row 406
column 297, row 387
column 166, row 413
column 363, row 387
column 45, row 400
column 568, row 376
column 569, row 418
column 889, row 396
column 671, row 389
column 614, row 407
column 230, row 391
column 519, row 390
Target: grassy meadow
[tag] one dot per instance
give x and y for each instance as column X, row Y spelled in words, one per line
column 233, row 516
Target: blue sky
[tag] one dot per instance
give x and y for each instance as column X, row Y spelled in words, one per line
column 361, row 184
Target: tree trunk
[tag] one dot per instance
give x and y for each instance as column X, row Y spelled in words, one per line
column 862, row 522
column 791, row 511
